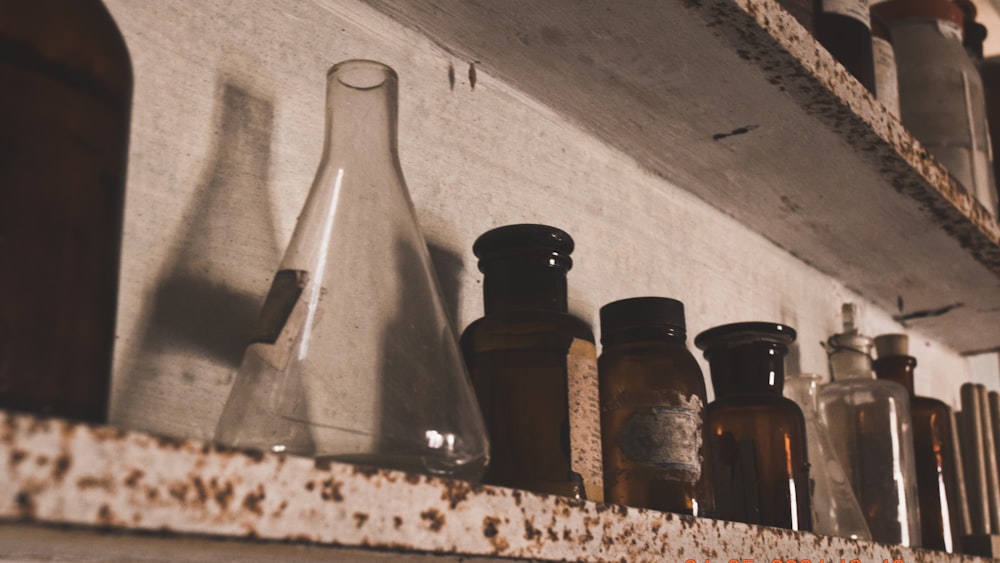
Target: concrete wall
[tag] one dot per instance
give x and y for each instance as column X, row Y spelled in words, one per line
column 226, row 137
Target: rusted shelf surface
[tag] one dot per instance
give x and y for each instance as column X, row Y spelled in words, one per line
column 735, row 102
column 106, row 492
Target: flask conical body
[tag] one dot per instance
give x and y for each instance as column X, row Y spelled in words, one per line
column 354, row 358
column 835, row 509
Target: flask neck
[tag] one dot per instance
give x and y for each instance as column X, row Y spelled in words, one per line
column 361, row 114
column 753, row 367
column 510, row 285
column 898, row 369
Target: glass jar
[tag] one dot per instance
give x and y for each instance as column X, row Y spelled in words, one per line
column 844, row 28
column 534, row 366
column 933, row 449
column 760, row 469
column 869, row 423
column 652, row 409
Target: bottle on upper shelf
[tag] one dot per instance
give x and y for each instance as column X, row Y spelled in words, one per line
column 941, row 97
column 933, row 449
column 534, row 366
column 652, row 409
column 869, row 423
column 757, row 437
column 65, row 106
column 844, row 28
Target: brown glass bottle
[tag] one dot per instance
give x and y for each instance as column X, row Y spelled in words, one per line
column 760, row 470
column 934, row 451
column 652, row 409
column 844, row 28
column 65, row 102
column 534, row 366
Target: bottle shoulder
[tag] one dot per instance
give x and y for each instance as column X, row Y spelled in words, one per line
column 527, row 326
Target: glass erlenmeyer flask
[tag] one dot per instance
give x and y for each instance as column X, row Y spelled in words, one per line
column 354, row 359
column 835, row 509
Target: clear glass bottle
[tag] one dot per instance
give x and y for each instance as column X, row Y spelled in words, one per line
column 354, row 359
column 534, row 366
column 757, row 437
column 941, row 97
column 835, row 509
column 65, row 105
column 886, row 79
column 844, row 28
column 652, row 409
column 869, row 423
column 934, row 452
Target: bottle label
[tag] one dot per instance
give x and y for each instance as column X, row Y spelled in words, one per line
column 667, row 438
column 856, row 9
column 886, row 83
column 585, row 417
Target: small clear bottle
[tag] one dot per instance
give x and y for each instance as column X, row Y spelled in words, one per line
column 652, row 409
column 934, row 451
column 534, row 366
column 869, row 423
column 835, row 509
column 757, row 437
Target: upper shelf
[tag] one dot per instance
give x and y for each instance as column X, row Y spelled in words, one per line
column 55, row 474
column 734, row 101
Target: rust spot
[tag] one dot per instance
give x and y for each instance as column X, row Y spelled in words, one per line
column 553, row 536
column 223, row 495
column 365, row 470
column 491, row 532
column 281, row 509
column 133, row 478
column 152, row 494
column 42, row 461
column 397, row 522
column 105, row 516
column 331, row 490
column 255, row 455
column 517, row 497
column 253, row 500
column 310, row 486
column 435, row 517
column 456, row 492
column 95, row 483
column 413, row 478
column 25, row 504
column 360, row 518
column 531, row 533
column 170, row 443
column 199, row 487
column 61, row 467
column 16, row 457
column 178, row 491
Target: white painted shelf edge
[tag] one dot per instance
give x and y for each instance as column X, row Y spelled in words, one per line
column 57, row 473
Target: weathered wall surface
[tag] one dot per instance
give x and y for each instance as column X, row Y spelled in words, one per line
column 226, row 136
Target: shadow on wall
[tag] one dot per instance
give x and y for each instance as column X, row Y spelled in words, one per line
column 196, row 321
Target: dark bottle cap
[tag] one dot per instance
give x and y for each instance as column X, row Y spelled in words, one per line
column 642, row 311
column 526, row 241
column 897, row 10
column 737, row 334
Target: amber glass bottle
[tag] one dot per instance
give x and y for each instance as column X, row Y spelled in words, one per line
column 934, row 451
column 65, row 102
column 844, row 28
column 760, row 471
column 534, row 366
column 652, row 409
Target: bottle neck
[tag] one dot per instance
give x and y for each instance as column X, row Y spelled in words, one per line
column 849, row 363
column 511, row 285
column 898, row 369
column 754, row 367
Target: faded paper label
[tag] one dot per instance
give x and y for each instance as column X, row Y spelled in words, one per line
column 886, row 83
column 585, row 417
column 666, row 438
